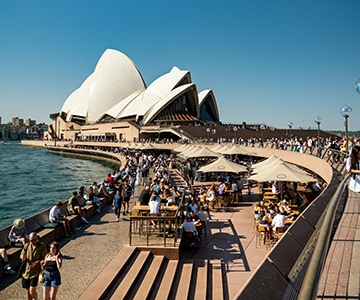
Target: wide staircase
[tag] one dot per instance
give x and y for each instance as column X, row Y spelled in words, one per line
column 135, row 274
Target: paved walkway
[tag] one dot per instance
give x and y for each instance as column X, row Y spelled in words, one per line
column 341, row 275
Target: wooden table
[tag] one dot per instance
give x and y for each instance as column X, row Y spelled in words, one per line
column 270, row 197
column 146, row 208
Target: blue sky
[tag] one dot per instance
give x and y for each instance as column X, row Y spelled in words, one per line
column 266, row 61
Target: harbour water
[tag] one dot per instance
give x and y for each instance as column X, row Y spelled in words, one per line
column 33, row 179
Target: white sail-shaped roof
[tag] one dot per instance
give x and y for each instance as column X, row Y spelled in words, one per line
column 116, row 89
column 77, row 103
column 173, row 95
column 208, row 96
column 115, row 78
column 155, row 93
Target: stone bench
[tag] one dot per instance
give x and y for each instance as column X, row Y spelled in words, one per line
column 46, row 231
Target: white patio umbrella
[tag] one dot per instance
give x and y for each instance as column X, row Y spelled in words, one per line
column 235, row 150
column 221, row 148
column 188, row 151
column 203, row 152
column 182, row 148
column 271, row 159
column 223, row 165
column 282, row 172
column 146, row 146
column 271, row 163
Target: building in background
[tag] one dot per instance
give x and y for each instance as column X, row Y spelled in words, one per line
column 114, row 103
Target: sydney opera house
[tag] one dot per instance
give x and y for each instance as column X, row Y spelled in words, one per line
column 115, row 104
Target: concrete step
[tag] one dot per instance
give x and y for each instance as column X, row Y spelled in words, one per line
column 149, row 279
column 125, row 286
column 101, row 285
column 167, row 280
column 201, row 277
column 186, row 269
column 216, row 275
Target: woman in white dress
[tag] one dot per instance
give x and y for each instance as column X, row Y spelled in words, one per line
column 352, row 166
column 138, row 176
column 211, row 197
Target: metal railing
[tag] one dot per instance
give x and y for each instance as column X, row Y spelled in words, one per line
column 152, row 229
column 318, row 249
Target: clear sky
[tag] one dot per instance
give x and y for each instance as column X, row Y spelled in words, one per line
column 266, row 61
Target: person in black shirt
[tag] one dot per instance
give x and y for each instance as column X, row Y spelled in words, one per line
column 144, row 196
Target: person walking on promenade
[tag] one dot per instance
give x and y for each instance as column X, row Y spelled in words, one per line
column 352, row 166
column 32, row 253
column 117, row 203
column 126, row 194
column 52, row 279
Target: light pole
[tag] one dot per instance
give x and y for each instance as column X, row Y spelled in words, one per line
column 318, row 120
column 290, row 124
column 208, row 132
column 346, row 112
column 357, row 86
column 235, row 128
column 262, row 127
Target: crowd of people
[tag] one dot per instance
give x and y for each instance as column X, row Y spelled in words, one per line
column 151, row 174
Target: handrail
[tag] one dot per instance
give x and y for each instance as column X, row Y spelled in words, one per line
column 176, row 218
column 309, row 286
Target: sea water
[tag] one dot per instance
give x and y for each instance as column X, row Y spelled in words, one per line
column 31, row 179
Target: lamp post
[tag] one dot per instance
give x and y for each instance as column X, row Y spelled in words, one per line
column 208, row 133
column 346, row 112
column 318, row 120
column 290, row 124
column 262, row 127
column 357, row 86
column 235, row 128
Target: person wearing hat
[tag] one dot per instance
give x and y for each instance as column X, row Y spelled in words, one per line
column 17, row 234
column 56, row 216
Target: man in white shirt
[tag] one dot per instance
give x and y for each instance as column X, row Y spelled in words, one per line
column 154, row 206
column 189, row 226
column 55, row 216
column 202, row 215
column 278, row 221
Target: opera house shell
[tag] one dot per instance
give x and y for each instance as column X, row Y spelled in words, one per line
column 116, row 91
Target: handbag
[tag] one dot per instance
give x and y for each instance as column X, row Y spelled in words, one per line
column 23, row 265
column 41, row 277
